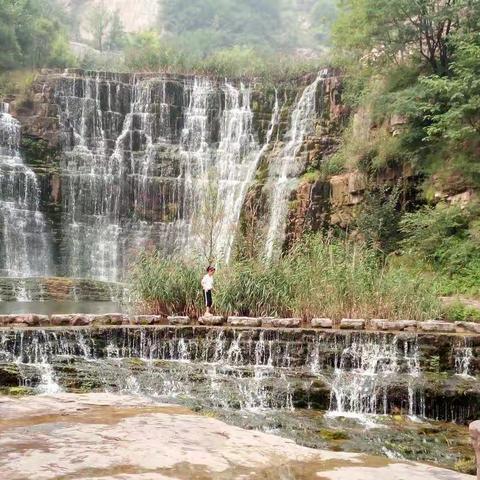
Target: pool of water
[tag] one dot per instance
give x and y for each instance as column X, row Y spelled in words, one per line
column 51, row 307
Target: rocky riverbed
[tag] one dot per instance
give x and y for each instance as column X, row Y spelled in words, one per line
column 101, row 435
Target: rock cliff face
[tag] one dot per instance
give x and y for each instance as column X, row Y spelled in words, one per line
column 125, row 161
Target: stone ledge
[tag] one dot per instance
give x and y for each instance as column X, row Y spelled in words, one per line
column 352, row 324
column 321, row 323
column 178, row 320
column 110, row 319
column 392, row 325
column 434, row 326
column 468, row 327
column 214, row 321
column 244, row 321
column 28, row 320
column 281, row 322
column 119, row 319
column 145, row 320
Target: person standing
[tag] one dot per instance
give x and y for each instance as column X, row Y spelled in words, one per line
column 207, row 285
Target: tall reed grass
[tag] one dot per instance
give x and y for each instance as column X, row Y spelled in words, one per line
column 319, row 277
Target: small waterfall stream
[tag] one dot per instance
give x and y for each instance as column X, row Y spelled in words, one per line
column 284, row 170
column 25, row 243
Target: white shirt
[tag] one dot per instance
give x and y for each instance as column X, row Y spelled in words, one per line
column 207, row 282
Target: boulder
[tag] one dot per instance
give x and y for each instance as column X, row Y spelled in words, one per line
column 474, row 429
column 30, row 320
column 60, row 320
column 287, row 322
column 468, row 326
column 147, row 319
column 322, row 323
column 352, row 324
column 244, row 321
column 81, row 319
column 6, row 320
column 267, row 321
column 211, row 321
column 178, row 320
column 435, row 326
column 108, row 319
column 393, row 325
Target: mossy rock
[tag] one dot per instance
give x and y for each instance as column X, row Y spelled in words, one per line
column 17, row 391
column 333, row 434
column 466, row 465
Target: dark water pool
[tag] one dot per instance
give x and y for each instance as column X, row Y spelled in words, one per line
column 50, row 307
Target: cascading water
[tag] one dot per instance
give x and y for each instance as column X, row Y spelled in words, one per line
column 285, row 168
column 150, row 160
column 348, row 374
column 145, row 160
column 365, row 370
column 25, row 243
column 463, row 357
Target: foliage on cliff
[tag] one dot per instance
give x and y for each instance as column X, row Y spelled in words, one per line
column 418, row 61
column 412, row 77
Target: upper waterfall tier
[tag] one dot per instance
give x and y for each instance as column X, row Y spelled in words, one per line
column 25, row 245
column 164, row 160
column 151, row 161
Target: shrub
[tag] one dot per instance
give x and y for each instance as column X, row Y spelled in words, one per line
column 340, row 278
column 249, row 288
column 459, row 312
column 164, row 286
column 445, row 236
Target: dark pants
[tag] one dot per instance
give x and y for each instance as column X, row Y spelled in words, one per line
column 208, row 298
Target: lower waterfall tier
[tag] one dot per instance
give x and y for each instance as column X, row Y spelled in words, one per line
column 343, row 372
column 387, row 394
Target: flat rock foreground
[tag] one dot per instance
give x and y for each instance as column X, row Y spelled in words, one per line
column 106, row 436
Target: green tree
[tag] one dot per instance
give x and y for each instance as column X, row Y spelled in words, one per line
column 116, row 35
column 389, row 31
column 452, row 103
column 11, row 52
column 98, row 22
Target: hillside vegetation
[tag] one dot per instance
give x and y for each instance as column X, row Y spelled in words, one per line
column 420, row 62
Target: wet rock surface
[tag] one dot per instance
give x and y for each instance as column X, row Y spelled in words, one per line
column 352, row 324
column 109, row 436
column 244, row 321
column 211, row 320
column 475, row 435
column 430, row 375
column 322, row 323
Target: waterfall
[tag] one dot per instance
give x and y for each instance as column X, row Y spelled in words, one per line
column 463, row 354
column 152, row 161
column 364, row 371
column 25, row 244
column 285, row 168
column 352, row 375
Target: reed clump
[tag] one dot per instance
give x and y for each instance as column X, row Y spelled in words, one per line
column 319, row 277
